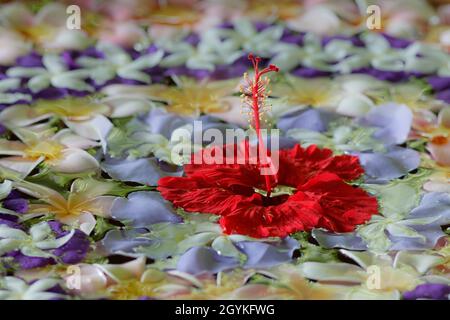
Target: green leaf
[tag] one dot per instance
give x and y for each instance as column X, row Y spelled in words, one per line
column 313, row 253
column 101, row 228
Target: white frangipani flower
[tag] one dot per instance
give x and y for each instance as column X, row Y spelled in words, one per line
column 34, row 244
column 13, row 288
column 7, row 97
column 54, row 73
column 117, row 62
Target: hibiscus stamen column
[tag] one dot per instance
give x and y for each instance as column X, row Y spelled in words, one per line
column 254, row 96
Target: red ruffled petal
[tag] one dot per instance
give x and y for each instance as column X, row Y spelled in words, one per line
column 343, row 206
column 298, row 165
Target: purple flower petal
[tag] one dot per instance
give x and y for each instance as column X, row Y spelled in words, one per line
column 435, row 291
column 222, row 72
column 444, row 95
column 292, row 37
column 307, row 72
column 439, row 83
column 193, row 39
column 17, row 205
column 398, row 43
column 74, row 250
column 31, row 60
column 392, row 76
column 26, row 262
column 10, row 221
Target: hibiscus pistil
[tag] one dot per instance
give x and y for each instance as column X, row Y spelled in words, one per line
column 254, row 95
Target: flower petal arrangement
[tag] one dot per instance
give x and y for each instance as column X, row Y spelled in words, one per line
column 213, row 150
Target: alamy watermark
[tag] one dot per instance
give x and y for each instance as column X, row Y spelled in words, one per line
column 73, row 21
column 373, row 20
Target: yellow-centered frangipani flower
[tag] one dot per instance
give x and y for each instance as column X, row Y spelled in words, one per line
column 188, row 97
column 85, row 200
column 375, row 275
column 70, row 108
column 286, row 282
column 38, row 33
column 410, row 94
column 297, row 91
column 62, row 152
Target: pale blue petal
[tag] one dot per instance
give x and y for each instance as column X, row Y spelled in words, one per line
column 143, row 208
column 145, row 170
column 198, row 260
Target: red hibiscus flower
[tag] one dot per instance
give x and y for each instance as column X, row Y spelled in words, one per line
column 321, row 198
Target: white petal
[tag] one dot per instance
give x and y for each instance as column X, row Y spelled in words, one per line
column 124, row 106
column 72, row 140
column 75, row 160
column 22, row 165
column 101, row 206
column 20, row 116
column 355, row 105
column 85, row 278
column 85, row 222
column 96, row 128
